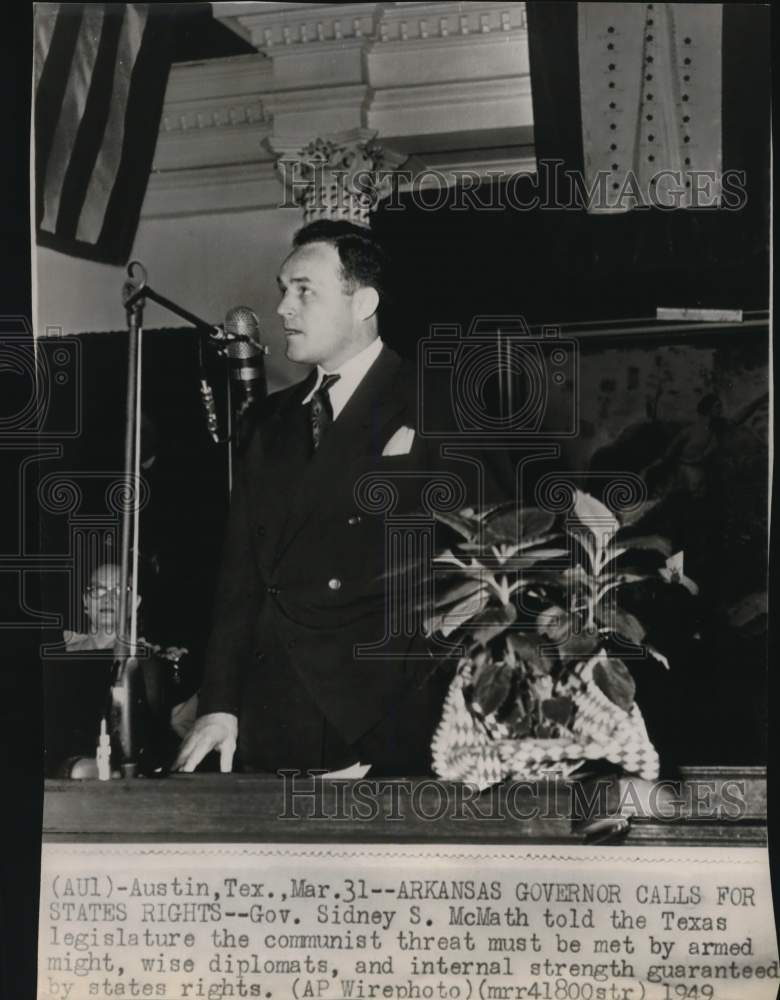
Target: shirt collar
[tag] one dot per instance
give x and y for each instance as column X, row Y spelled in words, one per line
column 351, row 372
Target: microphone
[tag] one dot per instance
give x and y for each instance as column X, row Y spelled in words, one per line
column 238, row 339
column 246, row 355
column 241, row 323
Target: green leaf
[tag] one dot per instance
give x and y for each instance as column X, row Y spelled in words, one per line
column 518, row 721
column 629, row 626
column 622, row 623
column 449, row 558
column 579, row 645
column 628, row 575
column 517, row 525
column 592, row 514
column 613, row 678
column 480, row 662
column 461, row 590
column 554, row 623
column 537, row 540
column 492, row 622
column 539, row 689
column 524, row 647
column 534, row 523
column 526, row 650
column 658, row 656
column 451, row 619
column 633, row 516
column 483, row 561
column 529, row 557
column 654, row 543
column 584, row 544
column 491, row 509
column 492, row 690
column 468, row 527
column 578, row 576
column 559, row 710
column 566, row 631
column 501, row 527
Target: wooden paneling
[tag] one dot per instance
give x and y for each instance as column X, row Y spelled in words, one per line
column 254, row 808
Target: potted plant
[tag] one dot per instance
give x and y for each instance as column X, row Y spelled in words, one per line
column 533, row 604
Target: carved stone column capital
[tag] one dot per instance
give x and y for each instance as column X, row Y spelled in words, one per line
column 336, row 176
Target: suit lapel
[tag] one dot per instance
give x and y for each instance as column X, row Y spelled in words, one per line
column 285, row 455
column 357, row 431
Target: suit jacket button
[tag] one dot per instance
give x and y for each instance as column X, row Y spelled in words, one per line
column 291, row 644
column 260, row 530
column 335, row 583
column 259, row 655
column 273, row 590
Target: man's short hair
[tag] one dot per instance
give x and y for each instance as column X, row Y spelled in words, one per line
column 363, row 262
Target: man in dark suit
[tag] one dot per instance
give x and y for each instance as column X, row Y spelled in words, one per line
column 303, row 582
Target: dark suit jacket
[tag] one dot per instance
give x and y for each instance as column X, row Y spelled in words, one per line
column 303, row 582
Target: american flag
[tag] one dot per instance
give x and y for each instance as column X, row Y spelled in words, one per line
column 100, row 76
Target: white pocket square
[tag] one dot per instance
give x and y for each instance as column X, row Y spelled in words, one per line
column 400, row 443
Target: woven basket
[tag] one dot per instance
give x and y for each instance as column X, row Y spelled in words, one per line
column 481, row 751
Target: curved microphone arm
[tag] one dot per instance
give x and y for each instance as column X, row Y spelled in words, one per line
column 137, row 290
column 133, row 290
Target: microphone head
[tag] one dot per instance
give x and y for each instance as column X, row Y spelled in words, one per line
column 244, row 351
column 241, row 321
column 245, row 354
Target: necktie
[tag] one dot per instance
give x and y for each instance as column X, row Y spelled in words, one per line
column 320, row 409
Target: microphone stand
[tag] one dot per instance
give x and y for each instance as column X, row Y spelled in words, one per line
column 126, row 666
column 137, row 294
column 127, row 675
column 144, row 292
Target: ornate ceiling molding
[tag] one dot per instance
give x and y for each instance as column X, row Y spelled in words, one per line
column 270, row 25
column 428, row 22
column 441, row 77
column 213, row 114
column 463, row 105
column 208, row 190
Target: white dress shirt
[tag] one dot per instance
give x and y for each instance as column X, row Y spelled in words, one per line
column 352, row 373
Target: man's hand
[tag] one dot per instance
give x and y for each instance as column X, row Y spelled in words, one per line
column 214, row 731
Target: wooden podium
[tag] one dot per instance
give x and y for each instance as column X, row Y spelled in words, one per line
column 718, row 806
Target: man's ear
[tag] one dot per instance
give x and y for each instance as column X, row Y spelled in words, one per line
column 365, row 302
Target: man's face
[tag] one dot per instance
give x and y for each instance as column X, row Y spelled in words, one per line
column 101, row 599
column 319, row 315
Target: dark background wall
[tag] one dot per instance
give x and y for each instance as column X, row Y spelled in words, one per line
column 181, row 524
